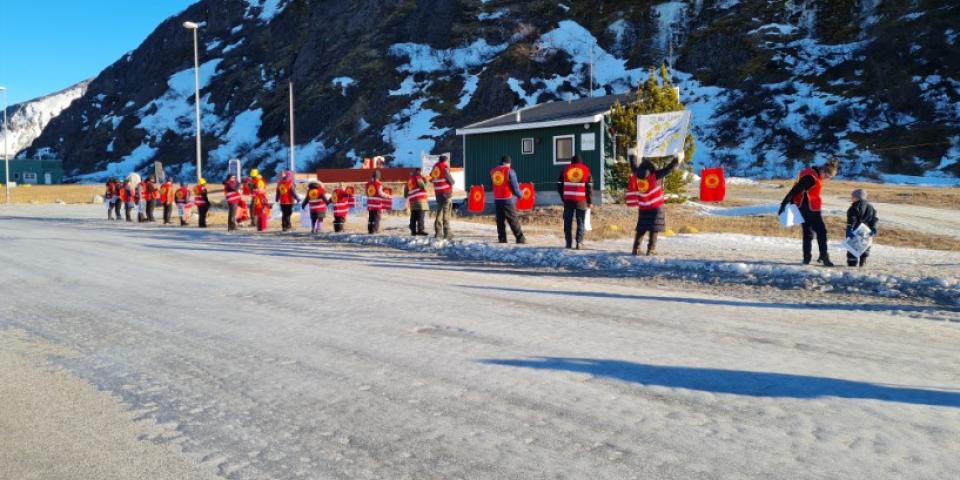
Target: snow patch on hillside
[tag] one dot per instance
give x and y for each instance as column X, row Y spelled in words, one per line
column 424, row 58
column 411, row 131
column 240, row 138
column 27, row 120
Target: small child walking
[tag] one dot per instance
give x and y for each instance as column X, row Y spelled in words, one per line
column 860, row 213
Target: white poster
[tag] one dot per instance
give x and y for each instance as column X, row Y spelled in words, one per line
column 662, row 134
column 427, row 161
column 233, row 168
column 588, row 141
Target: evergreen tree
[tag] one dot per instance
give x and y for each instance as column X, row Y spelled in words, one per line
column 656, row 95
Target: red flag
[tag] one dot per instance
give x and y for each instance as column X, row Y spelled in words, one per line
column 713, row 185
column 527, row 197
column 476, row 200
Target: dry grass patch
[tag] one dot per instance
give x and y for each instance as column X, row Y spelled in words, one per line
column 52, row 193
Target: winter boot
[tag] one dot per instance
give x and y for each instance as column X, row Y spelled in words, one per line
column 825, row 261
column 806, row 260
column 636, row 244
column 652, row 245
column 863, row 262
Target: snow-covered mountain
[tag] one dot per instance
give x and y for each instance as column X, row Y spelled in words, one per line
column 28, row 119
column 773, row 84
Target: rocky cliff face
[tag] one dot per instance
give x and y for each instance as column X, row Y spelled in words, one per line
column 772, row 84
column 27, row 120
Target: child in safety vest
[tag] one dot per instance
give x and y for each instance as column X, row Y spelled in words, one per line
column 341, row 207
column 317, row 200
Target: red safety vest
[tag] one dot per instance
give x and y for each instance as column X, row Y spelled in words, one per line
column 500, row 177
column 111, row 191
column 632, row 197
column 575, row 178
column 125, row 194
column 165, row 192
column 649, row 193
column 198, row 192
column 316, row 200
column 374, row 200
column 341, row 203
column 285, row 188
column 439, row 178
column 813, row 194
column 230, row 193
column 414, row 192
column 181, row 195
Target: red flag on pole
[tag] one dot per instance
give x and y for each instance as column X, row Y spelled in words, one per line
column 713, row 185
column 476, row 200
column 527, row 197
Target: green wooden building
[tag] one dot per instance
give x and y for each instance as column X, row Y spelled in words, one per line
column 33, row 171
column 542, row 139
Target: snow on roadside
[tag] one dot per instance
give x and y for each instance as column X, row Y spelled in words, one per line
column 942, row 290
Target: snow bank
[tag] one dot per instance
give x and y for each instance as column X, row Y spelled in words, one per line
column 920, row 181
column 946, row 291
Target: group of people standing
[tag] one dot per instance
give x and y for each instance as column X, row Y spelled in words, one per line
column 143, row 197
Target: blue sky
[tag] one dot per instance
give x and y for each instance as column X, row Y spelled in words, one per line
column 52, row 44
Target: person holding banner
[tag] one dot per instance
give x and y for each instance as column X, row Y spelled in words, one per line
column 506, row 189
column 202, row 202
column 166, row 200
column 575, row 187
column 415, row 191
column 806, row 194
column 651, row 219
column 286, row 197
column 231, row 192
column 443, row 184
column 182, row 199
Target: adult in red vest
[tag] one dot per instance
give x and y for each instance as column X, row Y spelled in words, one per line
column 110, row 198
column 317, row 202
column 415, row 192
column 202, row 202
column 126, row 197
column 506, row 190
column 650, row 198
column 443, row 184
column 286, row 197
column 116, row 198
column 806, row 195
column 181, row 198
column 375, row 200
column 258, row 199
column 341, row 207
column 166, row 199
column 231, row 192
column 576, row 189
column 150, row 196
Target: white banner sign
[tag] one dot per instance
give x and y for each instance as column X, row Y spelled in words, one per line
column 427, row 161
column 662, row 134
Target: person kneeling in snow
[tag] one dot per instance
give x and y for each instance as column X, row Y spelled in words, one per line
column 860, row 212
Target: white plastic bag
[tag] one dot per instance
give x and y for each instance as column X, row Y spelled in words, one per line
column 791, row 216
column 587, row 226
column 275, row 212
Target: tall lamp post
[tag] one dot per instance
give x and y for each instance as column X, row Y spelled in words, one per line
column 196, row 79
column 6, row 153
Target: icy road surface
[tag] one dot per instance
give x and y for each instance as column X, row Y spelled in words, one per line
column 264, row 358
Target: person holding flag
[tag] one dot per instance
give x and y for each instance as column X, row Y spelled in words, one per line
column 506, row 189
column 415, row 192
column 576, row 189
column 250, row 186
column 443, row 184
column 651, row 219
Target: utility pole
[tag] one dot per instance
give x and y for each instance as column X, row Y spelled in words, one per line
column 293, row 153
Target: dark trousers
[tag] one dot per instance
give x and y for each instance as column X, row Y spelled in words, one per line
column 167, row 213
column 338, row 223
column 128, row 208
column 110, row 210
column 286, row 212
column 116, row 208
column 506, row 213
column 861, row 261
column 373, row 222
column 231, row 216
column 150, row 211
column 417, row 226
column 813, row 226
column 570, row 211
column 316, row 221
column 441, row 223
column 202, row 211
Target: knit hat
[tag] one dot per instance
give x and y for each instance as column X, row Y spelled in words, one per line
column 859, row 194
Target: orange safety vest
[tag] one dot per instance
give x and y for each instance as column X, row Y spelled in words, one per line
column 649, row 193
column 198, row 192
column 374, row 200
column 414, row 192
column 575, row 178
column 813, row 194
column 632, row 197
column 341, row 203
column 165, row 192
column 500, row 177
column 125, row 194
column 285, row 188
column 181, row 195
column 439, row 178
column 316, row 200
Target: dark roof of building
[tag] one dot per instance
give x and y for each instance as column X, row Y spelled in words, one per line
column 554, row 111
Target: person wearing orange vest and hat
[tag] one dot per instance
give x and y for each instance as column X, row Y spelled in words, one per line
column 375, row 199
column 443, row 184
column 250, row 186
column 651, row 219
column 202, row 202
column 506, row 189
column 181, row 198
column 341, row 207
column 576, row 190
column 166, row 200
column 415, row 192
column 806, row 195
column 231, row 192
column 317, row 202
column 286, row 197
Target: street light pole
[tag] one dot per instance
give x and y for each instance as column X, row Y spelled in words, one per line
column 6, row 153
column 196, row 79
column 293, row 148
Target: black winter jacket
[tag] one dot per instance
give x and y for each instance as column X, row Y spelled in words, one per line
column 861, row 212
